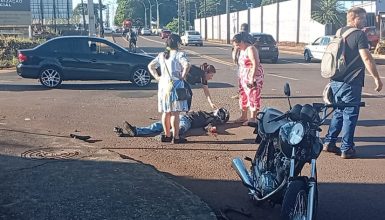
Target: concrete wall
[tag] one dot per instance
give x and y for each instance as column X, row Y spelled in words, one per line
column 288, row 21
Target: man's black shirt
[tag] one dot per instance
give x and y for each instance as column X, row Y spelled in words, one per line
column 201, row 119
column 354, row 42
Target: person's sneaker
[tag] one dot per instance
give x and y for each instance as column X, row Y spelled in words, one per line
column 118, row 131
column 164, row 138
column 179, row 141
column 131, row 130
column 331, row 148
column 350, row 153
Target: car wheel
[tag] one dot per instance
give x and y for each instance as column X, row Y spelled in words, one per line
column 141, row 77
column 50, row 77
column 307, row 56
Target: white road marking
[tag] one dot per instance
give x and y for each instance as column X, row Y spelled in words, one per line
column 284, row 77
column 288, row 61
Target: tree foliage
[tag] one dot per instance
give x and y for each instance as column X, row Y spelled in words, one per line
column 329, row 12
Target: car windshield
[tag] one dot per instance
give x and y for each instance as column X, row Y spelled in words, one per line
column 264, row 39
column 193, row 33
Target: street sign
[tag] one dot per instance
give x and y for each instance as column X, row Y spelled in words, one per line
column 15, row 12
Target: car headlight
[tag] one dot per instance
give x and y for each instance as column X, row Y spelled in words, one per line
column 292, row 133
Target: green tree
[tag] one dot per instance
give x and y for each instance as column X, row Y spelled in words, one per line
column 329, row 12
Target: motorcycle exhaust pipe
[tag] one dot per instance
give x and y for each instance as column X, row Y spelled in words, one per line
column 242, row 172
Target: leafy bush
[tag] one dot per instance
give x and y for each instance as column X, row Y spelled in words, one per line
column 9, row 47
column 380, row 48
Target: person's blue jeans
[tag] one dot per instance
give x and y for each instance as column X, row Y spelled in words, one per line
column 156, row 127
column 344, row 121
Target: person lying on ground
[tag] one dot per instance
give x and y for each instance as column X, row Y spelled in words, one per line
column 197, row 119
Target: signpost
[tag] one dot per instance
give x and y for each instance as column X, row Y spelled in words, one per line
column 15, row 13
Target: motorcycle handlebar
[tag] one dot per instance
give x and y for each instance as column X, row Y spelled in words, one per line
column 278, row 118
column 338, row 105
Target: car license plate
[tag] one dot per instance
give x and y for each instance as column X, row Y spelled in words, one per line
column 265, row 48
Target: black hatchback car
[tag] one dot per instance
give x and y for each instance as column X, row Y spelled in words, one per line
column 82, row 58
column 267, row 46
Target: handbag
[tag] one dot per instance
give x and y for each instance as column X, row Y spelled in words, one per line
column 182, row 94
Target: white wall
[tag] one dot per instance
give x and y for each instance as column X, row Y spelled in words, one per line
column 223, row 26
column 288, row 21
column 255, row 20
column 270, row 20
column 288, row 13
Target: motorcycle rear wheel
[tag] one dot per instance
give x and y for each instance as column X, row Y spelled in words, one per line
column 295, row 202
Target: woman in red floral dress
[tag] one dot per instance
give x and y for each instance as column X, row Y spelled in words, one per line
column 250, row 78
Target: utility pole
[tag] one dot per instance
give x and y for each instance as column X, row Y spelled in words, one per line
column 206, row 18
column 157, row 14
column 228, row 21
column 91, row 18
column 54, row 14
column 84, row 17
column 108, row 16
column 42, row 13
column 145, row 14
column 149, row 2
column 179, row 14
column 185, row 15
column 101, row 28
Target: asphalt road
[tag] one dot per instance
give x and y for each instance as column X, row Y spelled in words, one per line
column 348, row 189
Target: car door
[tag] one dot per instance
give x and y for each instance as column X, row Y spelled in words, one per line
column 314, row 47
column 322, row 47
column 108, row 61
column 58, row 52
column 82, row 68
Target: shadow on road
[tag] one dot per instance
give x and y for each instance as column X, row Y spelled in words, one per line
column 336, row 200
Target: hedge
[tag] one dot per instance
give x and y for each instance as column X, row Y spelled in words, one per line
column 9, row 47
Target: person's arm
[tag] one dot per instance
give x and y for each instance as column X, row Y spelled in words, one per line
column 185, row 64
column 371, row 67
column 152, row 68
column 253, row 55
column 208, row 96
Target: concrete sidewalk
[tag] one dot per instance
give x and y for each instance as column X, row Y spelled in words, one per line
column 47, row 176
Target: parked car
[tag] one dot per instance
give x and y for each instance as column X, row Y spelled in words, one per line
column 108, row 30
column 165, row 33
column 373, row 36
column 145, row 31
column 82, row 58
column 267, row 46
column 191, row 37
column 317, row 49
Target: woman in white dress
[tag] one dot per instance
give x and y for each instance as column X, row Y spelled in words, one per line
column 174, row 67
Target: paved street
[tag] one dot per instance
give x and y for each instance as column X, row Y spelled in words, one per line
column 348, row 189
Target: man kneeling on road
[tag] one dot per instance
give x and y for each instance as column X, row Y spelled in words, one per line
column 198, row 119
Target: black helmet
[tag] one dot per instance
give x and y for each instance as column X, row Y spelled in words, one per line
column 223, row 114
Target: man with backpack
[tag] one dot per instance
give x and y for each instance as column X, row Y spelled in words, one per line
column 345, row 66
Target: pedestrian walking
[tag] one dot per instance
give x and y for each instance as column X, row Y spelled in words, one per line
column 173, row 67
column 350, row 91
column 250, row 78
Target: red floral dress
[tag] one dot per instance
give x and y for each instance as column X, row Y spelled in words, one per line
column 249, row 97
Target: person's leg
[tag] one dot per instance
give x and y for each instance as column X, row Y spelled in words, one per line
column 254, row 98
column 350, row 116
column 166, row 123
column 337, row 119
column 175, row 124
column 184, row 125
column 242, row 104
column 154, row 128
column 189, row 101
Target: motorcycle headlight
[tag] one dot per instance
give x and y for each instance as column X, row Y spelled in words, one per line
column 292, row 133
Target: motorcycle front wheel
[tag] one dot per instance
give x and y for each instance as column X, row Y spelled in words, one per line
column 295, row 202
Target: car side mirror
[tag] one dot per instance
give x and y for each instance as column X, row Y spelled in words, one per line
column 286, row 89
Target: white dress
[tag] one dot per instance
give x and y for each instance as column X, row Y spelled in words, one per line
column 166, row 89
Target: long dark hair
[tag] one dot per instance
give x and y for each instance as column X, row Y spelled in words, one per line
column 172, row 43
column 242, row 37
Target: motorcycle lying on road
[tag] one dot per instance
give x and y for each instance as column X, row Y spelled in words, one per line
column 287, row 141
